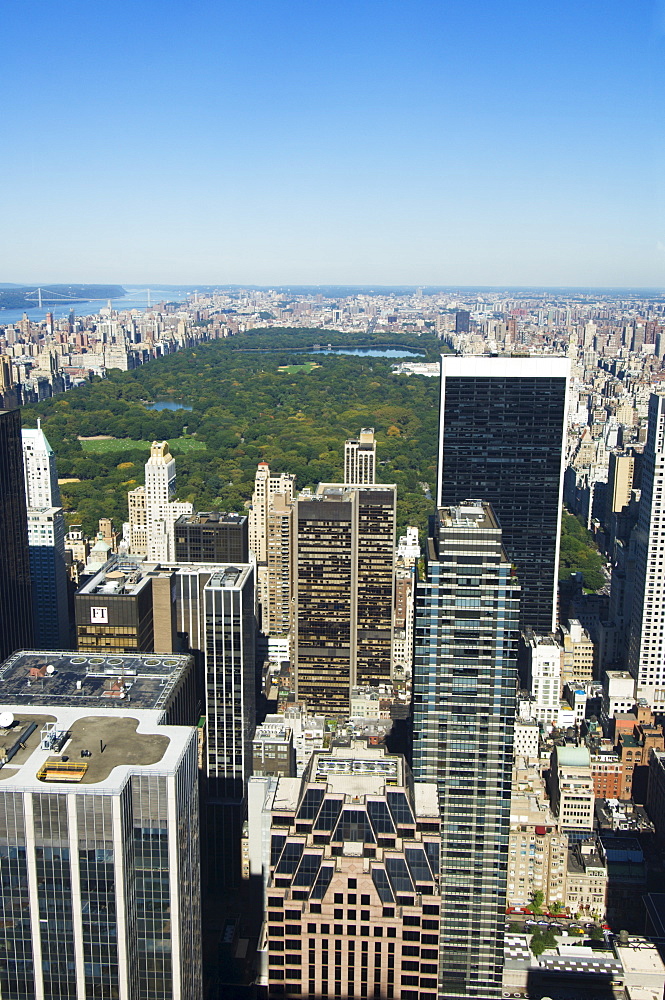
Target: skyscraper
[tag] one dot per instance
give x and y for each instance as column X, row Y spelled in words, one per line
column 162, row 511
column 41, row 475
column 46, row 547
column 360, row 459
column 46, row 541
column 99, row 851
column 646, row 647
column 501, row 438
column 344, row 592
column 465, row 681
column 16, row 630
column 349, row 855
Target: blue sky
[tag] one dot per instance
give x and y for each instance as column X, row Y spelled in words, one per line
column 354, row 141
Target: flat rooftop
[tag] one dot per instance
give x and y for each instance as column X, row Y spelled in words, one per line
column 144, row 681
column 117, row 578
column 469, row 514
column 62, row 748
column 211, row 517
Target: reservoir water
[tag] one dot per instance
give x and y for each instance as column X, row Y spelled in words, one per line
column 371, row 352
column 166, row 404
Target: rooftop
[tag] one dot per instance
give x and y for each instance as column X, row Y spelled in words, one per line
column 65, row 746
column 573, row 756
column 469, row 514
column 211, row 517
column 84, row 680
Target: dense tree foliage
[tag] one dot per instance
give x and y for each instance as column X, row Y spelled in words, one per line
column 579, row 553
column 245, row 411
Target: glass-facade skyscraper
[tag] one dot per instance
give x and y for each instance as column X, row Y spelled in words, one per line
column 501, row 438
column 464, row 691
column 15, row 590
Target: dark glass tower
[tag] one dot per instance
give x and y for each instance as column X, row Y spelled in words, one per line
column 15, row 592
column 464, row 689
column 501, row 438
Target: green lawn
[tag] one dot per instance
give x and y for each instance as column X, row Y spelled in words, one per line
column 307, row 367
column 179, row 445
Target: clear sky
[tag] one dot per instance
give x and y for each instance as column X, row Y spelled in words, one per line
column 333, row 141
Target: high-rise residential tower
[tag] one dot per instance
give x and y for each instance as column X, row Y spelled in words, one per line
column 360, row 459
column 501, row 438
column 46, row 541
column 16, row 629
column 162, row 511
column 265, row 488
column 465, row 681
column 41, row 476
column 646, row 649
column 344, row 592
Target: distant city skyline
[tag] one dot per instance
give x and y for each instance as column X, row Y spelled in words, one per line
column 351, row 142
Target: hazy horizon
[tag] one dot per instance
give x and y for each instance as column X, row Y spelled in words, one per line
column 356, row 142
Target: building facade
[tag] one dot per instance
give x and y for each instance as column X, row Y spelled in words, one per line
column 16, row 625
column 501, row 438
column 571, row 788
column 344, row 600
column 465, row 682
column 46, row 546
column 100, row 863
column 211, row 537
column 350, row 869
column 360, row 459
column 162, row 511
column 646, row 647
column 41, row 476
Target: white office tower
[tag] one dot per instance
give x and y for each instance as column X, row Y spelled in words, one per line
column 41, row 476
column 99, row 849
column 162, row 511
column 265, row 488
column 360, row 459
column 544, row 677
column 646, row 644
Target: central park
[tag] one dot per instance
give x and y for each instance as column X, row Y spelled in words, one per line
column 257, row 397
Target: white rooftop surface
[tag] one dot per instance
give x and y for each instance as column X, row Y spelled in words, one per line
column 287, row 794
column 427, row 798
column 642, row 959
column 483, row 366
column 23, row 776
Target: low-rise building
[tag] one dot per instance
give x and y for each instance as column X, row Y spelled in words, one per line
column 537, row 849
column 527, row 739
column 571, row 788
column 586, row 880
column 273, row 752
